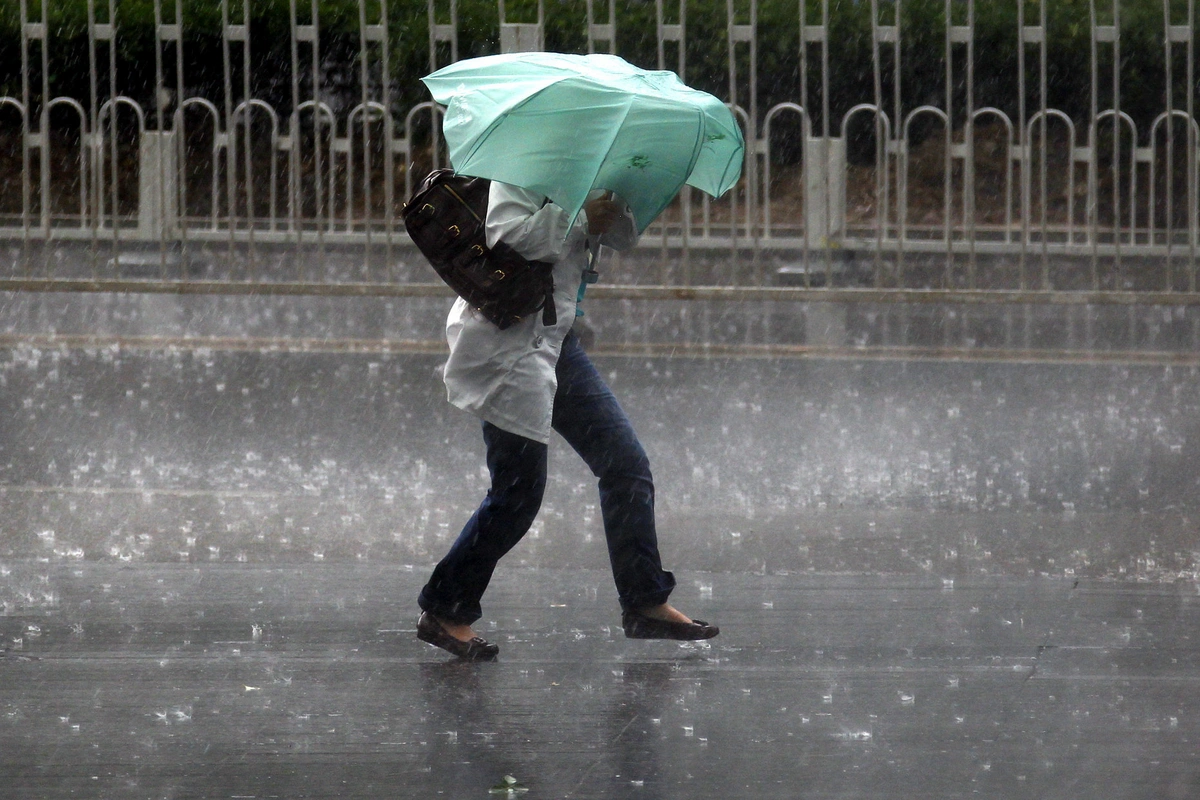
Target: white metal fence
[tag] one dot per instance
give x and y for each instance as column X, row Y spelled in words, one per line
column 333, row 167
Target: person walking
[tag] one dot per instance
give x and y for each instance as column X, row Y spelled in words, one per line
column 523, row 382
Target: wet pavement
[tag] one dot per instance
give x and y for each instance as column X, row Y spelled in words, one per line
column 225, row 680
column 185, row 451
column 934, row 579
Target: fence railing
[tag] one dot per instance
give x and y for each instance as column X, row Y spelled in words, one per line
column 948, row 196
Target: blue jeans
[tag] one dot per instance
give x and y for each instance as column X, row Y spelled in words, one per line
column 588, row 417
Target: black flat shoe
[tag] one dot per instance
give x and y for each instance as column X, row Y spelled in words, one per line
column 639, row 626
column 431, row 631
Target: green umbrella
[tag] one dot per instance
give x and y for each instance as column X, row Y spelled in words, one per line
column 563, row 125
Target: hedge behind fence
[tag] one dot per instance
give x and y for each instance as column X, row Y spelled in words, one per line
column 851, row 77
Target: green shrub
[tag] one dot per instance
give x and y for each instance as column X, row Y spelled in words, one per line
column 851, row 77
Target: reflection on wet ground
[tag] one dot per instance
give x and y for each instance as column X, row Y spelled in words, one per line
column 933, row 580
column 225, row 680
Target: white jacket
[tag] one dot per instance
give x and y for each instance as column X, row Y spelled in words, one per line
column 506, row 377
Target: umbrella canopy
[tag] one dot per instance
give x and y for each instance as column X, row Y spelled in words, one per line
column 564, row 125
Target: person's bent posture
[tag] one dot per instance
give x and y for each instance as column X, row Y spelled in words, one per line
column 522, row 382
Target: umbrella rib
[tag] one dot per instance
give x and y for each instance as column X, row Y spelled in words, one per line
column 691, row 167
column 482, row 138
column 616, row 130
column 607, row 149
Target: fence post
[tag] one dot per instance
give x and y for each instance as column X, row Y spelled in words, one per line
column 523, row 37
column 520, row 37
column 824, row 190
column 158, row 208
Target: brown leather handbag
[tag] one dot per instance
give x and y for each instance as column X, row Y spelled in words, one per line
column 445, row 218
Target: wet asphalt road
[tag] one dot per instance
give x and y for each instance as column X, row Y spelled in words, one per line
column 185, row 452
column 225, row 680
column 934, row 580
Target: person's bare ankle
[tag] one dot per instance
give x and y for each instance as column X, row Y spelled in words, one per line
column 665, row 612
column 464, row 633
